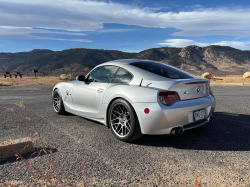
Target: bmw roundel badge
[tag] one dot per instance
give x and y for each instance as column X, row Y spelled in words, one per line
column 198, row 89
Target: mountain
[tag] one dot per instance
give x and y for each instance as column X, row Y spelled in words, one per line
column 188, row 58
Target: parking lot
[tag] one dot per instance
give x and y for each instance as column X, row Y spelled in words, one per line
column 219, row 151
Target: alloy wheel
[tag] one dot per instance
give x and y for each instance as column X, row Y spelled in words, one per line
column 120, row 120
column 56, row 102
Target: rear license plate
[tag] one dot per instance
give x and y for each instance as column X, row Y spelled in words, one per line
column 199, row 114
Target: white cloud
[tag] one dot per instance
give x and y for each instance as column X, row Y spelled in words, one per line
column 25, row 33
column 182, row 43
column 82, row 15
column 235, row 44
column 29, row 30
column 198, row 33
column 86, row 15
column 186, row 42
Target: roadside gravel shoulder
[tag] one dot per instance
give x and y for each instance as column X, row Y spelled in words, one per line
column 220, row 151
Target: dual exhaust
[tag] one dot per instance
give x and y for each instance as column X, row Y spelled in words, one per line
column 180, row 130
column 211, row 119
column 177, row 131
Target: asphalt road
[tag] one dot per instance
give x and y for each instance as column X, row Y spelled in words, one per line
column 219, row 151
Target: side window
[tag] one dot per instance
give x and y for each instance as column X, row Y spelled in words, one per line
column 172, row 75
column 122, row 76
column 102, row 74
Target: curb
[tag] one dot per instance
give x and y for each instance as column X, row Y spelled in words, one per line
column 22, row 146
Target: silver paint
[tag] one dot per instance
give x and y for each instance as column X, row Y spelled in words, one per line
column 91, row 100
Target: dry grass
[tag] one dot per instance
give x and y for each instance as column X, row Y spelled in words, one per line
column 197, row 181
column 49, row 174
column 30, row 80
column 228, row 80
column 234, row 80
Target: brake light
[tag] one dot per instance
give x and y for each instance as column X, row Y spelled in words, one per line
column 199, row 82
column 168, row 97
column 210, row 92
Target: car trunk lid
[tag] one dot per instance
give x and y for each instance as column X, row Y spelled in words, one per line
column 186, row 88
column 191, row 89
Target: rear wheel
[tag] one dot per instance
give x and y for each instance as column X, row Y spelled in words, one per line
column 58, row 103
column 123, row 121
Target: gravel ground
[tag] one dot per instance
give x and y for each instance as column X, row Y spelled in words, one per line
column 219, row 151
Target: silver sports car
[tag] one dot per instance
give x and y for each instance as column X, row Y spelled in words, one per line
column 136, row 97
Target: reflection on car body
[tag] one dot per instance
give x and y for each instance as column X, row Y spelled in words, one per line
column 136, row 97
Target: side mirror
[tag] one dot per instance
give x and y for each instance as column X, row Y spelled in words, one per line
column 80, row 78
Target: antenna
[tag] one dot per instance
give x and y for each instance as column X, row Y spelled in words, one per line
column 141, row 81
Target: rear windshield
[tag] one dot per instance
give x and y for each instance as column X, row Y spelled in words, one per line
column 162, row 70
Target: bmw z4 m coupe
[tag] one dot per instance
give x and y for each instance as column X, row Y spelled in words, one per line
column 136, row 97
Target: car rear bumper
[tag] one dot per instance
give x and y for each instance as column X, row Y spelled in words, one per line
column 162, row 119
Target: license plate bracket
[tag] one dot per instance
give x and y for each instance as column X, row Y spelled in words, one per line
column 199, row 114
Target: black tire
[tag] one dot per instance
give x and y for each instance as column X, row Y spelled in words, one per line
column 58, row 104
column 133, row 127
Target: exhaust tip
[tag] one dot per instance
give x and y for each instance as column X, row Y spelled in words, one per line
column 211, row 119
column 177, row 131
column 180, row 130
column 173, row 132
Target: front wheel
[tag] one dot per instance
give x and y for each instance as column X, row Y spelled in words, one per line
column 123, row 121
column 58, row 103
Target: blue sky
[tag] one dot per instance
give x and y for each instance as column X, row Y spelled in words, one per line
column 131, row 25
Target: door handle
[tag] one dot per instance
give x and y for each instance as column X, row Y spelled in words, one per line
column 100, row 90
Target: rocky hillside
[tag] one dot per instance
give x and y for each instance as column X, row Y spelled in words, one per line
column 216, row 57
column 188, row 58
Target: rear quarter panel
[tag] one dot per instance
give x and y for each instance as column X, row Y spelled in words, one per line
column 133, row 94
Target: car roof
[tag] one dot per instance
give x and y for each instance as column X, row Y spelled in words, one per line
column 123, row 62
column 137, row 72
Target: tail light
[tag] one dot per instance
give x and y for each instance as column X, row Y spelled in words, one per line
column 210, row 92
column 168, row 97
column 199, row 82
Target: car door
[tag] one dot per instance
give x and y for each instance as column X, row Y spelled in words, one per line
column 88, row 95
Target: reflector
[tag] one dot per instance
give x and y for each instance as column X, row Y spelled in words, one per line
column 146, row 110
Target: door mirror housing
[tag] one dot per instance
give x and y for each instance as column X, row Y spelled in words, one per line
column 80, row 78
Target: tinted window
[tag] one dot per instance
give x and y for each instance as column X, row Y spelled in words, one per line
column 122, row 76
column 162, row 70
column 102, row 74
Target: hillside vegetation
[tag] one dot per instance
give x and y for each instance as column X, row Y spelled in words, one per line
column 188, row 58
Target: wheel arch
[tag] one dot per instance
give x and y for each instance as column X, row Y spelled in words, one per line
column 108, row 107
